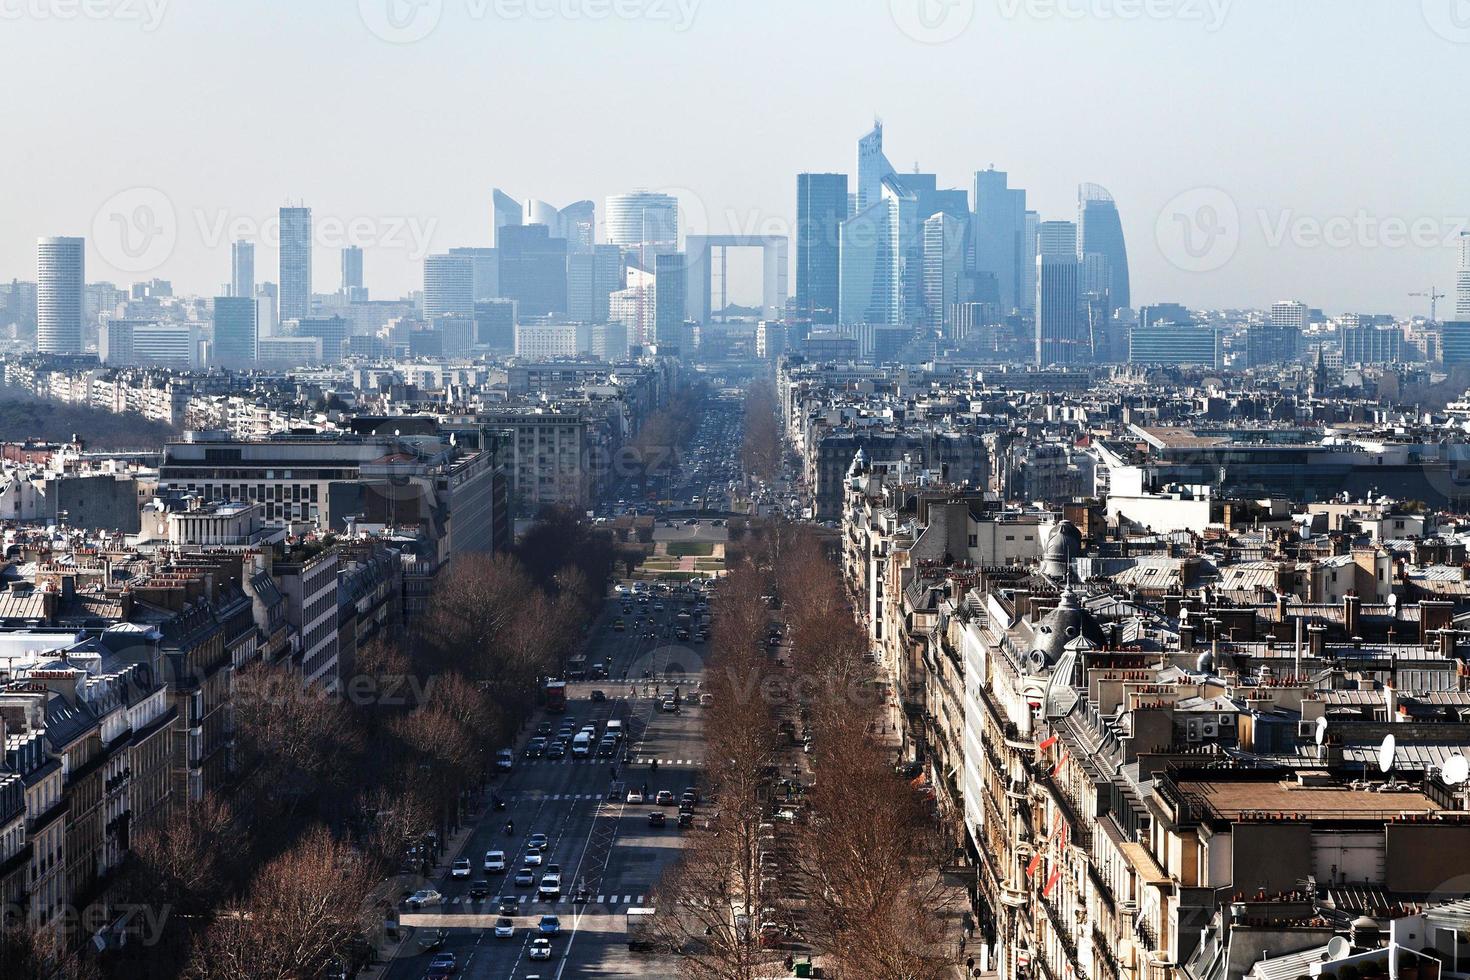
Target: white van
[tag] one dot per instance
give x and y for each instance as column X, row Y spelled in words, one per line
column 614, row 728
column 582, row 745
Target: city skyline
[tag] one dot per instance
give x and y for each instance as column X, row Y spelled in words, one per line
column 1327, row 234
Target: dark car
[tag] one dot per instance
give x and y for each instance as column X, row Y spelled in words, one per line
column 599, row 695
column 556, row 750
column 478, row 890
column 686, row 819
column 535, row 747
column 509, row 906
column 657, row 818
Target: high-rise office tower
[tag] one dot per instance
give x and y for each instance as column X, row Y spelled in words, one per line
column 609, row 274
column 352, row 286
column 538, row 212
column 1056, row 238
column 505, row 211
column 872, row 167
column 1290, row 313
column 670, row 289
column 643, row 224
column 581, row 269
column 944, row 267
column 234, row 331
column 61, row 276
column 449, row 286
column 1100, row 232
column 821, row 207
column 1061, row 333
column 1462, row 279
column 242, row 269
column 1030, row 248
column 485, row 268
column 1000, row 235
column 870, row 289
column 579, row 226
column 533, row 269
column 495, row 325
column 295, row 261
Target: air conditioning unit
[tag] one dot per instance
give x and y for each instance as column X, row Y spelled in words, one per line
column 1209, row 729
column 1226, row 721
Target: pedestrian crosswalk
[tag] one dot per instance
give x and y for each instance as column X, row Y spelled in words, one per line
column 615, row 899
column 607, row 762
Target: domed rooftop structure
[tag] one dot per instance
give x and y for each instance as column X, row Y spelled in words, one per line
column 1064, row 544
column 1063, row 625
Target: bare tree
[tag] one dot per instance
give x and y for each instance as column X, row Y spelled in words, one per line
column 303, row 912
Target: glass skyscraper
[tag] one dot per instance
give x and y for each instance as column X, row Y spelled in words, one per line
column 821, row 207
column 242, row 269
column 533, row 269
column 60, row 290
column 1100, row 232
column 449, row 285
column 295, row 263
column 643, row 222
column 1000, row 236
column 234, row 331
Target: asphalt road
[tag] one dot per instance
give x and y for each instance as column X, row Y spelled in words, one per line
column 596, row 837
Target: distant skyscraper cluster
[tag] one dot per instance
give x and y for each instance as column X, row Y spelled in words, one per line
column 903, row 254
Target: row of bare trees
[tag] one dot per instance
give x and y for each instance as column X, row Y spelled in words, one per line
column 860, row 864
column 870, row 850
column 298, row 865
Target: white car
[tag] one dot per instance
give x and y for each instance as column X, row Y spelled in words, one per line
column 505, row 927
column 550, row 886
column 635, row 796
column 494, row 860
column 460, row 868
column 424, row 896
column 540, row 949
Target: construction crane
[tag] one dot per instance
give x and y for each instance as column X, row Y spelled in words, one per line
column 1434, row 296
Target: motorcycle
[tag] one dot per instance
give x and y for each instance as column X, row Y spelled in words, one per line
column 510, row 828
column 498, row 802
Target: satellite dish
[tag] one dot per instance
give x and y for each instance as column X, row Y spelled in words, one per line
column 1338, row 948
column 1385, row 754
column 1456, row 770
column 1321, row 729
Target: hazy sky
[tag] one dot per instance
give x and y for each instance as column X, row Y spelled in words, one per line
column 1257, row 149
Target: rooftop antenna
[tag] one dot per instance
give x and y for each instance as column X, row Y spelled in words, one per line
column 1456, row 770
column 1338, row 948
